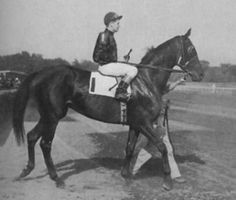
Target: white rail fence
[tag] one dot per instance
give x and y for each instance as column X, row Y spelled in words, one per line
column 214, row 88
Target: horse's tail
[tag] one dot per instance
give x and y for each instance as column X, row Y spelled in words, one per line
column 19, row 106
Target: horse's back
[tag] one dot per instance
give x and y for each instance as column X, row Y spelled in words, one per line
column 57, row 75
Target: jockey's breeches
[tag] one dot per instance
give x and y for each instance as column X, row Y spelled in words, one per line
column 126, row 71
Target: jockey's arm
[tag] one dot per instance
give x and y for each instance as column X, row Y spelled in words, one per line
column 100, row 51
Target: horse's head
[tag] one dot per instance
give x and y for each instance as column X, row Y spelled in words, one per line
column 188, row 59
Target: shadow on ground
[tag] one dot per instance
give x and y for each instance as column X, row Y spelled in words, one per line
column 152, row 168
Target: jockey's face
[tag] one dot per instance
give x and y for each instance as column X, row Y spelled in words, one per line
column 114, row 26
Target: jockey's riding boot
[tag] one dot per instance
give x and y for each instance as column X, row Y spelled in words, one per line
column 121, row 92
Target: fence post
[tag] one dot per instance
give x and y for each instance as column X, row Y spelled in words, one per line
column 214, row 88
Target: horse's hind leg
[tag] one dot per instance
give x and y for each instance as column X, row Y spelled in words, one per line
column 32, row 138
column 46, row 145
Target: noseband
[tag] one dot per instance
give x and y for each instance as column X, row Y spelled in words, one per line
column 183, row 59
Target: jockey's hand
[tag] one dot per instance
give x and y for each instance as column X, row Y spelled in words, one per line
column 127, row 56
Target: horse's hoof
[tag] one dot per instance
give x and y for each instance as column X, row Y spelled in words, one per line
column 128, row 182
column 60, row 183
column 126, row 174
column 179, row 180
column 25, row 172
column 167, row 184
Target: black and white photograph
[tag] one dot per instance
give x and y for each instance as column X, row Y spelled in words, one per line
column 117, row 100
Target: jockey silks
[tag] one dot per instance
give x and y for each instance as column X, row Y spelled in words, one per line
column 105, row 50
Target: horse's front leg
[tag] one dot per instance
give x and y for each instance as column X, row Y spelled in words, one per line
column 140, row 155
column 157, row 139
column 130, row 146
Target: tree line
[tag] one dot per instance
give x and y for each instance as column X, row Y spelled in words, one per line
column 28, row 63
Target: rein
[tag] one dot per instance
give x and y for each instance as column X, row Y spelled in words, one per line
column 159, row 67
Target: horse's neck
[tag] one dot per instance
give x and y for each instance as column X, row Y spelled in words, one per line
column 150, row 83
column 161, row 80
column 157, row 79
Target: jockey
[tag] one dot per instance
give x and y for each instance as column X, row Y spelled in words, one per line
column 105, row 54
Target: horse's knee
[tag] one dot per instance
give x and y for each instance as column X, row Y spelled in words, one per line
column 130, row 148
column 141, row 143
column 129, row 152
column 162, row 147
column 32, row 138
column 45, row 145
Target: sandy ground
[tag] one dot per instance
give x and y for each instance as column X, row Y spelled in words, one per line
column 88, row 156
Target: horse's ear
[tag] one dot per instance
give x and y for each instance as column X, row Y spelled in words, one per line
column 188, row 33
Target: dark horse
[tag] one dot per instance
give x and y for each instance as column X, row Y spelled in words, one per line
column 56, row 89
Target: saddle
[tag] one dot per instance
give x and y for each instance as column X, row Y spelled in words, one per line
column 104, row 85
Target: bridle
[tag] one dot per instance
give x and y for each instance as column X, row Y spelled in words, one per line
column 182, row 58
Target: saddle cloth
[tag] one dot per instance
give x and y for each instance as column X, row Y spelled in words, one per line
column 103, row 85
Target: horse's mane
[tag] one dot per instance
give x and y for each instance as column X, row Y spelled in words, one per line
column 153, row 51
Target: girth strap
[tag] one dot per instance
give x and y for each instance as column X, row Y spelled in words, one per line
column 123, row 113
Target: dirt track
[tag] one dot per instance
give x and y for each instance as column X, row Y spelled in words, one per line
column 88, row 156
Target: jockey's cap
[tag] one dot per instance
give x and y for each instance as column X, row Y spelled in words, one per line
column 111, row 16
